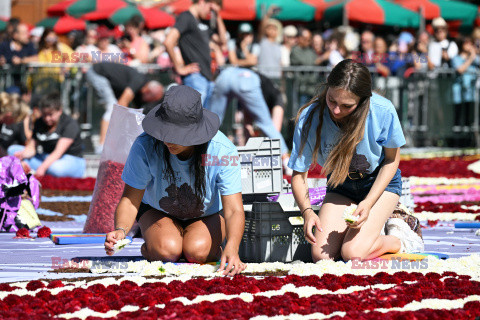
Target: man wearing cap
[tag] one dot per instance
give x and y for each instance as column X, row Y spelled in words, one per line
column 118, row 83
column 243, row 51
column 290, row 33
column 193, row 35
column 183, row 186
column 441, row 50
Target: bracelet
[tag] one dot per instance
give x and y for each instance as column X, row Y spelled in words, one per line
column 124, row 231
column 306, row 210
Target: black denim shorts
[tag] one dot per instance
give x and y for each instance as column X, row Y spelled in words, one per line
column 142, row 209
column 358, row 189
column 146, row 207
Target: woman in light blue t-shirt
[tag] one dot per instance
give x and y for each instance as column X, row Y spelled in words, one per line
column 183, row 186
column 355, row 135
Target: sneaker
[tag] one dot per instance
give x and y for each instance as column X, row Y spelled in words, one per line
column 403, row 213
column 99, row 149
column 410, row 241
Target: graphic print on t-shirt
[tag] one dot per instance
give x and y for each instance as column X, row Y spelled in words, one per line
column 359, row 163
column 182, row 202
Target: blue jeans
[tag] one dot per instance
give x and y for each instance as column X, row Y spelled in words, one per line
column 66, row 166
column 198, row 82
column 358, row 189
column 104, row 90
column 244, row 84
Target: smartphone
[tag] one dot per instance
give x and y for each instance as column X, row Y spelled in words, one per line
column 276, row 11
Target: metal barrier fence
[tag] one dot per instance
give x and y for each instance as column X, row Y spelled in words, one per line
column 424, row 100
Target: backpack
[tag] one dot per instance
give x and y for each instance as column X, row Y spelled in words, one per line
column 14, row 182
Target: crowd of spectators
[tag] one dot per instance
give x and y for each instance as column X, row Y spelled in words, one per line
column 267, row 47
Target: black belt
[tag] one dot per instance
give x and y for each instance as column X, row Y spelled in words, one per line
column 355, row 175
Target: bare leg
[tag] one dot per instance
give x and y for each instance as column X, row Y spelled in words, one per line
column 277, row 117
column 334, row 227
column 163, row 237
column 366, row 242
column 202, row 239
column 103, row 131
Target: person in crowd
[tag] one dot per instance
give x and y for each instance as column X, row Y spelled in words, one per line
column 75, row 39
column 367, row 47
column 50, row 50
column 466, row 65
column 218, row 54
column 243, row 51
column 355, row 135
column 270, row 56
column 14, row 121
column 18, row 50
column 118, row 83
column 336, row 47
column 304, row 55
column 290, row 33
column 193, row 38
column 185, row 204
column 320, row 50
column 89, row 46
column 245, row 85
column 12, row 25
column 441, row 50
column 400, row 55
column 138, row 48
column 420, row 53
column 35, row 36
column 381, row 57
column 60, row 141
column 107, row 48
column 476, row 39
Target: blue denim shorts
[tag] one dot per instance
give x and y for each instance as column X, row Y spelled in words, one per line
column 358, row 189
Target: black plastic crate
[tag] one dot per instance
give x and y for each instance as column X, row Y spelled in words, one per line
column 269, row 235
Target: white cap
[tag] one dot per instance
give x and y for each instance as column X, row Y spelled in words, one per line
column 290, row 31
column 439, row 23
column 37, row 32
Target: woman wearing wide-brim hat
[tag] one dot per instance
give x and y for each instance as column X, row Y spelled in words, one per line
column 183, row 186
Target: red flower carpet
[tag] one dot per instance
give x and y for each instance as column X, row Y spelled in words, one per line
column 243, row 297
column 444, row 189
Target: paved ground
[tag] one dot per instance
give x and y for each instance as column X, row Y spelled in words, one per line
column 22, row 259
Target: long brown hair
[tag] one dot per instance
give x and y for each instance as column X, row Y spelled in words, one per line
column 355, row 78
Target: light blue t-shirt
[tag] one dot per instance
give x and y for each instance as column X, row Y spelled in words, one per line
column 382, row 129
column 145, row 169
column 464, row 86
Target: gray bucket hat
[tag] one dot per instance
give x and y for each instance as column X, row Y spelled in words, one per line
column 181, row 119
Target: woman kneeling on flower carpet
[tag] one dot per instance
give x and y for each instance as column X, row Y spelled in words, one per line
column 355, row 135
column 185, row 204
